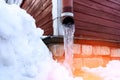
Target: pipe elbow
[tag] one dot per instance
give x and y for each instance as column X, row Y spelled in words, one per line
column 67, row 12
column 67, row 18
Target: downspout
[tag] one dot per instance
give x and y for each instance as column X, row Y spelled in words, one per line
column 69, row 29
column 67, row 12
column 56, row 16
column 62, row 13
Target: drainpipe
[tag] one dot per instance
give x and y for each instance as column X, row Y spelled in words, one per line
column 56, row 16
column 62, row 14
column 67, row 12
column 68, row 26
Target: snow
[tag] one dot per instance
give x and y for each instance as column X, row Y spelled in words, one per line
column 110, row 72
column 24, row 56
column 17, row 2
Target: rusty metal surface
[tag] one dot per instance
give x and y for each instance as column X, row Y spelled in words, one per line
column 67, row 6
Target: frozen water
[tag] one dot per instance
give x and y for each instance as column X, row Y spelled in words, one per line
column 68, row 45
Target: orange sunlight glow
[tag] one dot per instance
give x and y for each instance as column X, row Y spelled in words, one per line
column 92, row 57
column 86, row 75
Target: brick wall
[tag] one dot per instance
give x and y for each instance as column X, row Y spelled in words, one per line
column 87, row 55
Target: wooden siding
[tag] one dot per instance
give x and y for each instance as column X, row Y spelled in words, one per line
column 41, row 10
column 97, row 19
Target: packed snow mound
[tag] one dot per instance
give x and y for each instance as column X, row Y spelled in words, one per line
column 23, row 55
column 21, row 49
column 110, row 72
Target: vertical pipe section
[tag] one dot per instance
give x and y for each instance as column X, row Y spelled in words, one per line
column 67, row 6
column 67, row 12
column 68, row 25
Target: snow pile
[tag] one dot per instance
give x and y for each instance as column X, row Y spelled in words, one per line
column 23, row 55
column 110, row 72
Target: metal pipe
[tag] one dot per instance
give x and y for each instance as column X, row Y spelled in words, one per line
column 67, row 12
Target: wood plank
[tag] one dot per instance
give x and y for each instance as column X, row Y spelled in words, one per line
column 108, row 4
column 31, row 2
column 44, row 20
column 45, row 4
column 47, row 28
column 43, row 23
column 90, row 11
column 100, row 42
column 36, row 7
column 26, row 4
column 92, row 19
column 31, row 8
column 115, row 1
column 47, row 8
column 95, row 35
column 50, row 32
column 48, row 25
column 98, row 6
column 43, row 1
column 43, row 8
column 44, row 13
column 96, row 28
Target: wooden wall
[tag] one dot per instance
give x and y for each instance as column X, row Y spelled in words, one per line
column 93, row 18
column 41, row 10
column 97, row 19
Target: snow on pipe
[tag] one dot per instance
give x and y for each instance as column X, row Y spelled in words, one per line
column 67, row 12
column 17, row 2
